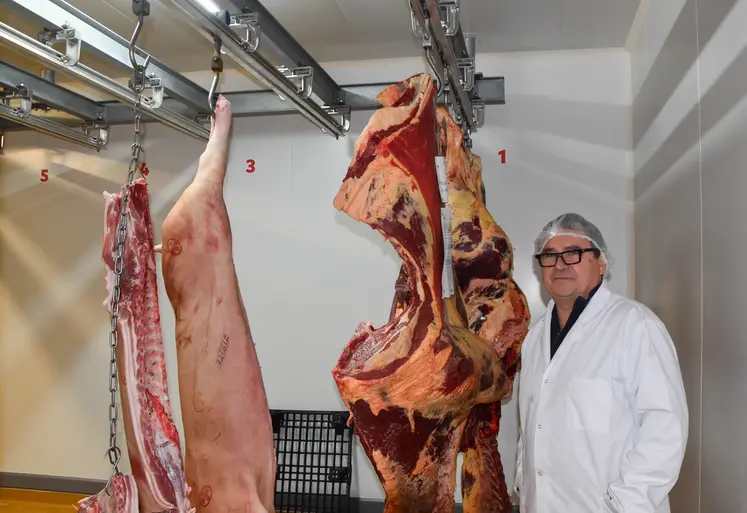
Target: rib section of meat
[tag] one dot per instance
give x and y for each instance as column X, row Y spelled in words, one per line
column 153, row 442
column 121, row 498
column 411, row 384
column 229, row 457
column 497, row 311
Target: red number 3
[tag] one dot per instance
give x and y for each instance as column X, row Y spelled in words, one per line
column 251, row 167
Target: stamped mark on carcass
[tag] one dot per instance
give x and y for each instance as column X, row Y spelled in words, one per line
column 222, row 350
column 173, row 246
column 206, row 495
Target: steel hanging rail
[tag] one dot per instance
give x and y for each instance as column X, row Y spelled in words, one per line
column 102, row 82
column 212, row 24
column 278, row 45
column 359, row 97
column 108, row 45
column 247, row 104
column 46, row 126
column 51, row 94
column 437, row 23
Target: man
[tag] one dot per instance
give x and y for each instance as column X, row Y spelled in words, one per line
column 602, row 409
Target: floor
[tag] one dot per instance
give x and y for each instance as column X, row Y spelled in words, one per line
column 32, row 501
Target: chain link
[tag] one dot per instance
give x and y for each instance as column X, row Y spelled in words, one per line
column 114, row 451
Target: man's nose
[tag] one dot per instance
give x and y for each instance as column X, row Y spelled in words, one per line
column 559, row 264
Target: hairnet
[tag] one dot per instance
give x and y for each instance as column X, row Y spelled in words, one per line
column 576, row 225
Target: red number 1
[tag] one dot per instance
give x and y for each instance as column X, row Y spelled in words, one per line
column 251, row 166
column 502, row 153
column 45, row 175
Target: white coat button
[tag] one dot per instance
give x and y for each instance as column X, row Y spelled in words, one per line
column 546, row 380
column 539, row 427
column 539, row 473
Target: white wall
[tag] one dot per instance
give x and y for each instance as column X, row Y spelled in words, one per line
column 308, row 273
column 689, row 70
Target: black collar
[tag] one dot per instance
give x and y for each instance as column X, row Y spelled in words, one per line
column 556, row 334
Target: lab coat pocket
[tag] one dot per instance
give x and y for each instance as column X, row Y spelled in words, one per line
column 605, row 506
column 589, row 405
column 610, row 504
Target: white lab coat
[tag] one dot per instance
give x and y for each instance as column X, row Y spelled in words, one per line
column 603, row 425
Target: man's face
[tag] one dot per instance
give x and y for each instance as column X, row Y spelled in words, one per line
column 570, row 281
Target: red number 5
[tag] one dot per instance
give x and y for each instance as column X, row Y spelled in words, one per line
column 251, row 167
column 45, row 175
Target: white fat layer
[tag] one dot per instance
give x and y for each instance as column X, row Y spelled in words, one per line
column 134, row 391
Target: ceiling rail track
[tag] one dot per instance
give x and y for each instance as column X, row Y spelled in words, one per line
column 451, row 56
column 250, row 36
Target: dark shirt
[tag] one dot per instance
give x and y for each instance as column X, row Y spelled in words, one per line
column 556, row 334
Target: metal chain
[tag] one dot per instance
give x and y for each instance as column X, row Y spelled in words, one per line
column 141, row 8
column 114, row 451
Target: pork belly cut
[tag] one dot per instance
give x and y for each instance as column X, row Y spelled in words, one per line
column 411, row 384
column 153, row 442
column 229, row 457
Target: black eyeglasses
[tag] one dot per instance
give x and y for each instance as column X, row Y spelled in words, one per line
column 570, row 257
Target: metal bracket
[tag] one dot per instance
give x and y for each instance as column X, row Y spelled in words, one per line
column 456, row 114
column 340, row 110
column 303, row 78
column 467, row 67
column 99, row 125
column 72, row 42
column 155, row 84
column 417, row 28
column 478, row 112
column 449, row 16
column 466, row 137
column 249, row 21
column 202, row 119
column 22, row 93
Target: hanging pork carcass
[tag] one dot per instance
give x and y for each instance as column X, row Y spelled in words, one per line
column 230, row 456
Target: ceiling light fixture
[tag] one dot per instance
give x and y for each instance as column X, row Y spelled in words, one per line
column 209, row 5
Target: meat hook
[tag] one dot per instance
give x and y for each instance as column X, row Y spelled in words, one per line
column 216, row 65
column 116, row 454
column 142, row 9
column 432, row 64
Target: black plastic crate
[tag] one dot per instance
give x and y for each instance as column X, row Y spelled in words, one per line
column 314, row 457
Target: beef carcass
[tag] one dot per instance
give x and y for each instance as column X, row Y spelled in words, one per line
column 411, row 384
column 229, row 457
column 497, row 311
column 153, row 442
column 121, row 497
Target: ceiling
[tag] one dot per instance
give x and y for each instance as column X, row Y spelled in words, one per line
column 333, row 30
